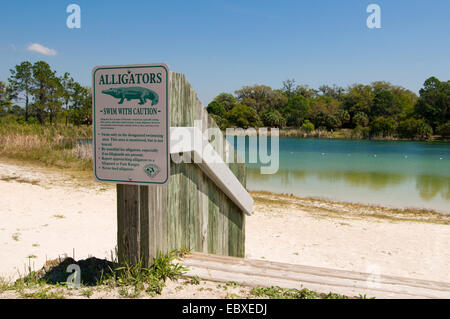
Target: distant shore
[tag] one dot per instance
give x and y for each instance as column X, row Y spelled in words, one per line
column 347, row 134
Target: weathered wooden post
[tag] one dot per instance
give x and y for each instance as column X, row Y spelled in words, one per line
column 201, row 208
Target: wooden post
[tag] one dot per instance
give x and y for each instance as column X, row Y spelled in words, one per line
column 128, row 223
column 141, row 223
column 191, row 211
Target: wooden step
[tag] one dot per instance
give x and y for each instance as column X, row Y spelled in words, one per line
column 264, row 273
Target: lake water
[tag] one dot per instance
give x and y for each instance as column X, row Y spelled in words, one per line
column 388, row 173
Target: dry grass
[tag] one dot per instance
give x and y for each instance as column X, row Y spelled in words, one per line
column 83, row 151
column 18, row 180
column 342, row 133
column 325, row 208
column 44, row 144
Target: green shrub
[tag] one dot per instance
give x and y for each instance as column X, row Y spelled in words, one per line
column 414, row 128
column 383, row 127
column 308, row 127
column 216, row 108
column 273, row 118
column 424, row 130
column 361, row 119
column 444, row 129
column 360, row 132
column 243, row 116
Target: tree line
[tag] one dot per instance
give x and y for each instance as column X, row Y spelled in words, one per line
column 45, row 96
column 376, row 110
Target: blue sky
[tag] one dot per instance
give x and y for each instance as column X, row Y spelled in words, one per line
column 221, row 45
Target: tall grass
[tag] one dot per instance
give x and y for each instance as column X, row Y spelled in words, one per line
column 132, row 279
column 47, row 144
column 317, row 133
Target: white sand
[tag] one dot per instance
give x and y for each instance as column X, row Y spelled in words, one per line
column 35, row 199
column 402, row 248
column 53, row 218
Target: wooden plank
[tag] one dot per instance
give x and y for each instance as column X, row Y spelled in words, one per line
column 158, row 220
column 266, row 274
column 213, row 215
column 128, row 223
column 192, row 207
column 203, row 214
column 147, row 236
column 236, row 235
column 236, row 219
column 173, row 205
column 320, row 271
column 227, row 206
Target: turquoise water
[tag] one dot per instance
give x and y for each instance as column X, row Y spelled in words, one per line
column 388, row 173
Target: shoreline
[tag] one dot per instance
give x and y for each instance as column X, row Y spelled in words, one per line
column 85, row 178
column 369, row 210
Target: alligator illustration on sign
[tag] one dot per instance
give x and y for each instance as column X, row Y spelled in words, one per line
column 133, row 93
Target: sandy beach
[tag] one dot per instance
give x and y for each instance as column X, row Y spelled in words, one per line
column 46, row 213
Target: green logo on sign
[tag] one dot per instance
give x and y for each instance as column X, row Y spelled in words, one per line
column 133, row 93
column 151, row 170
